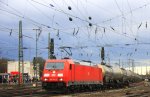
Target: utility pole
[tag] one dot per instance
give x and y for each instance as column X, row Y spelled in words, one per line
column 122, row 64
column 129, row 63
column 146, row 70
column 141, row 69
column 108, row 59
column 36, row 55
column 49, row 41
column 38, row 32
column 20, row 54
column 119, row 62
column 133, row 65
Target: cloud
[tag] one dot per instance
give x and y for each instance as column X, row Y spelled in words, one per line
column 112, row 26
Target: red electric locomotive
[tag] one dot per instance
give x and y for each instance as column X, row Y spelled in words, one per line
column 66, row 74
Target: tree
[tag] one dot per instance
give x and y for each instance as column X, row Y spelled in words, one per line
column 41, row 62
column 3, row 65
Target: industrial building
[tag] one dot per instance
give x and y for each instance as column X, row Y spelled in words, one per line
column 142, row 70
column 3, row 65
column 13, row 66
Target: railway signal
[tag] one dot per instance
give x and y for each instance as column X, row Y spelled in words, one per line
column 102, row 55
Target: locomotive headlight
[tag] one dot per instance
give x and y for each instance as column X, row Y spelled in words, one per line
column 60, row 75
column 60, row 79
column 46, row 75
column 45, row 79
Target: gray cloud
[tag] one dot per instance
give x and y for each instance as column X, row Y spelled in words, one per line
column 116, row 31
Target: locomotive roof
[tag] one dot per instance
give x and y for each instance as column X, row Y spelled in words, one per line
column 83, row 62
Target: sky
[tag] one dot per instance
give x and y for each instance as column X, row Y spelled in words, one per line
column 121, row 26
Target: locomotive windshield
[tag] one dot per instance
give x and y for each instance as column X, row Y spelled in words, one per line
column 57, row 65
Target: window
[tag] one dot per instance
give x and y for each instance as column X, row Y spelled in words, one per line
column 70, row 66
column 53, row 65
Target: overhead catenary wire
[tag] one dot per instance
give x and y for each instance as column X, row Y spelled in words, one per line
column 104, row 28
column 20, row 16
column 86, row 20
column 25, row 17
column 81, row 19
column 44, row 14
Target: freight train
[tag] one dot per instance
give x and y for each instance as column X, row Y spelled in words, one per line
column 67, row 74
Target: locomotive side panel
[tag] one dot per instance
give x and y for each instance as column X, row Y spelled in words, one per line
column 85, row 75
column 64, row 74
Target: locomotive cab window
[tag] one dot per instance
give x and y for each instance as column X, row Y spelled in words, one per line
column 56, row 65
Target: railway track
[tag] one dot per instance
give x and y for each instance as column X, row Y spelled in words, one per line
column 27, row 91
column 138, row 94
column 7, row 90
column 18, row 91
column 30, row 91
column 144, row 91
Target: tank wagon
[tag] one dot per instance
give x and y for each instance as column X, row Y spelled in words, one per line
column 117, row 77
column 66, row 74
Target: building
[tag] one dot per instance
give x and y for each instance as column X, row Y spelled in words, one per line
column 142, row 70
column 13, row 66
column 3, row 65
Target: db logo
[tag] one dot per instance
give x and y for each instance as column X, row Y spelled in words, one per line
column 53, row 74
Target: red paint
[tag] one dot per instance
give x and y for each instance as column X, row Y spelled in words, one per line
column 77, row 73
